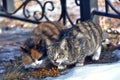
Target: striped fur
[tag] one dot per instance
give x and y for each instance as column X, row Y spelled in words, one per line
column 83, row 39
column 35, row 45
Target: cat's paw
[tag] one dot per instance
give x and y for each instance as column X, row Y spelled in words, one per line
column 95, row 58
column 79, row 64
column 61, row 67
column 97, row 53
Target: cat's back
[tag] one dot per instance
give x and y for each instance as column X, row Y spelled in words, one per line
column 91, row 33
column 86, row 28
column 49, row 30
column 46, row 30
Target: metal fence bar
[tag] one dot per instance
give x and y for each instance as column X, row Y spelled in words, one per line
column 8, row 5
column 63, row 12
column 19, row 18
column 94, row 6
column 88, row 10
column 106, row 14
column 85, row 10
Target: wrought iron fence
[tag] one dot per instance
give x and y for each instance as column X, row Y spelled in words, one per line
column 87, row 10
column 107, row 13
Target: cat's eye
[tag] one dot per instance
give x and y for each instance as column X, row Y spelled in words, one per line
column 65, row 48
column 60, row 54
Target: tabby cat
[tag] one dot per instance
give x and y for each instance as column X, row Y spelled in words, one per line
column 35, row 45
column 84, row 39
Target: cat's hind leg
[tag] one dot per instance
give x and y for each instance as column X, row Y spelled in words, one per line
column 97, row 53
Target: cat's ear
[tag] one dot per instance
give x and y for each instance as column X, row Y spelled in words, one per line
column 22, row 47
column 48, row 42
column 40, row 43
column 63, row 44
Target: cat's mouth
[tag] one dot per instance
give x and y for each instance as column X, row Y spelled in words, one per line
column 57, row 62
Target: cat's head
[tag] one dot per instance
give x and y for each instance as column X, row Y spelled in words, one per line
column 57, row 52
column 33, row 58
column 30, row 54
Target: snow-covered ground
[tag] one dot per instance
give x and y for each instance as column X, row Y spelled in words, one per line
column 92, row 72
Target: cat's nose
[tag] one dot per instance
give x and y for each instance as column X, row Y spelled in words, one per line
column 55, row 60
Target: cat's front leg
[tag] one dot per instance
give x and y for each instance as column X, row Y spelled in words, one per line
column 80, row 61
column 61, row 67
column 97, row 53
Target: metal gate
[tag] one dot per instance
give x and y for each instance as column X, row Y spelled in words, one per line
column 87, row 9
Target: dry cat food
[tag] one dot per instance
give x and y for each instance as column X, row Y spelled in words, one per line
column 42, row 73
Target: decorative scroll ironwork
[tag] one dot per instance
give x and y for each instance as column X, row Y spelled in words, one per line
column 85, row 11
column 108, row 5
column 26, row 13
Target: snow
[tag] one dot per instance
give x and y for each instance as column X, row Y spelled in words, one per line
column 92, row 72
